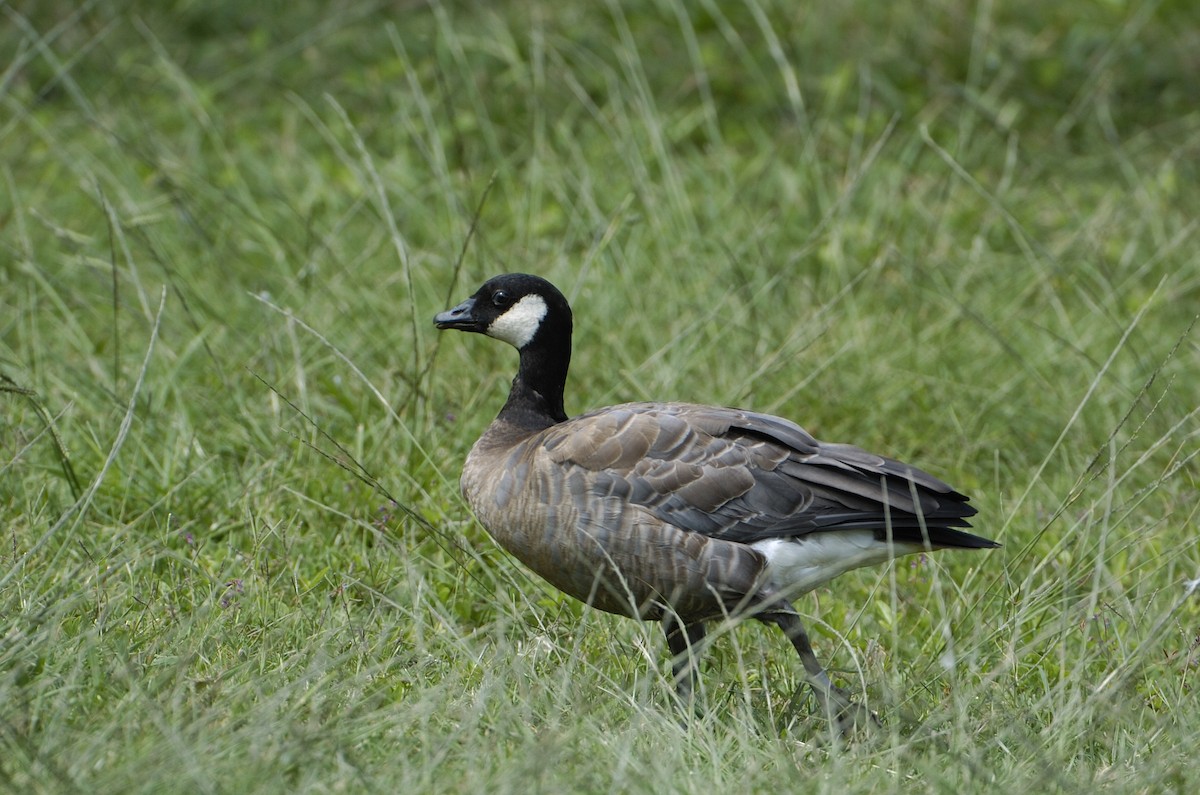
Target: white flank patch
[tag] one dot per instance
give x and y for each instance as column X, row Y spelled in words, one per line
column 518, row 325
column 801, row 564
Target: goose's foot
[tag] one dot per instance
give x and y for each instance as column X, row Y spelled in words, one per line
column 848, row 718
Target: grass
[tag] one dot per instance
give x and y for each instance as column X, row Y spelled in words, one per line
column 233, row 553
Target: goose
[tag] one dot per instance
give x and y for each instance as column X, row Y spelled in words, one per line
column 680, row 513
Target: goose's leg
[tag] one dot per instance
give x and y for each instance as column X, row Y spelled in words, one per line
column 845, row 714
column 684, row 642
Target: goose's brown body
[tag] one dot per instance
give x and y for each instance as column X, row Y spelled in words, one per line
column 558, row 499
column 647, row 508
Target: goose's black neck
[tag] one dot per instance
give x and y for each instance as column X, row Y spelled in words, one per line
column 536, row 398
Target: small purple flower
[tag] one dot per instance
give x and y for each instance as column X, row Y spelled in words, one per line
column 385, row 514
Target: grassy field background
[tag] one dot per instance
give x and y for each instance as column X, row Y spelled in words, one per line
column 233, row 556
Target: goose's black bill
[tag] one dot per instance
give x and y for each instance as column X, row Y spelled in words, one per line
column 461, row 317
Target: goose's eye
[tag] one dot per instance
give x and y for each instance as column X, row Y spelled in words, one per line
column 500, row 299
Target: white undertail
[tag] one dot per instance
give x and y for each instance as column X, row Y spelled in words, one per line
column 801, row 564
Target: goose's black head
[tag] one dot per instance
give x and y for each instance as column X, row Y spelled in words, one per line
column 524, row 311
column 530, row 314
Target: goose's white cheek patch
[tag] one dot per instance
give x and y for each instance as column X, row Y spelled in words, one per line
column 518, row 325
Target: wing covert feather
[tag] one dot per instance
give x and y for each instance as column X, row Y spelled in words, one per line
column 743, row 476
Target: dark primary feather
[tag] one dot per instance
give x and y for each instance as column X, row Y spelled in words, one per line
column 745, row 477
